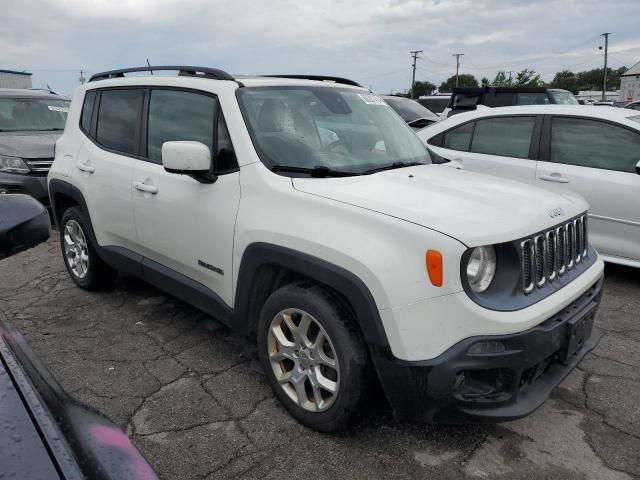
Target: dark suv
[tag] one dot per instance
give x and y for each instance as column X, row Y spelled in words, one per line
column 465, row 99
column 30, row 123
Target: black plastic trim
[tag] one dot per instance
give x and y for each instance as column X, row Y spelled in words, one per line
column 337, row 278
column 320, row 78
column 206, row 72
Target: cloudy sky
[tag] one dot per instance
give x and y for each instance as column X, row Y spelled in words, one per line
column 368, row 41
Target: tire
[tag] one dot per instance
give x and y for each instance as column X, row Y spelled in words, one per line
column 291, row 360
column 89, row 272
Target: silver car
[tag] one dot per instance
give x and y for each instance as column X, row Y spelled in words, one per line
column 30, row 123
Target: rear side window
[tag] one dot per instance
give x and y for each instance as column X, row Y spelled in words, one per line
column 118, row 120
column 505, row 136
column 595, row 144
column 539, row 98
column 459, row 138
column 177, row 115
column 87, row 110
column 499, row 99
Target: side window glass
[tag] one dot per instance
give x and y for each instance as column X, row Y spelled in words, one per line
column 225, row 156
column 499, row 99
column 459, row 138
column 539, row 98
column 595, row 144
column 87, row 110
column 177, row 115
column 506, row 136
column 118, row 119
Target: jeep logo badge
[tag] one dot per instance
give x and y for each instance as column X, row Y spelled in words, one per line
column 555, row 212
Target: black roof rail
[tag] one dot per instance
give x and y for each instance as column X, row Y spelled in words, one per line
column 205, row 72
column 322, row 78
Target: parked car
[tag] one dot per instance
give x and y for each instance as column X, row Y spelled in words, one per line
column 306, row 213
column 416, row 116
column 436, row 103
column 467, row 99
column 592, row 151
column 30, row 123
column 44, row 433
column 633, row 105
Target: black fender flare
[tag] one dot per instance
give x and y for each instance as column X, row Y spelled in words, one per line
column 339, row 279
column 66, row 188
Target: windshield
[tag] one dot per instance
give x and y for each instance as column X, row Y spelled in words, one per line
column 410, row 110
column 32, row 114
column 436, row 105
column 340, row 129
column 564, row 98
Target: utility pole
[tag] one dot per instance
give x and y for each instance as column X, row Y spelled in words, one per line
column 604, row 78
column 414, row 54
column 457, row 55
column 81, row 79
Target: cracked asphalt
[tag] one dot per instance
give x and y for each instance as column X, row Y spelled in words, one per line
column 190, row 394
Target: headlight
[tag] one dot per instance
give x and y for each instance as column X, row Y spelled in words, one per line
column 13, row 165
column 481, row 268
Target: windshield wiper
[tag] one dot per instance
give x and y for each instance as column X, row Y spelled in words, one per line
column 393, row 166
column 318, row 171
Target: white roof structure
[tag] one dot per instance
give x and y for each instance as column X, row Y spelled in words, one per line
column 635, row 70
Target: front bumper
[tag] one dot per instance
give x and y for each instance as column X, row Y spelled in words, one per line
column 461, row 387
column 33, row 185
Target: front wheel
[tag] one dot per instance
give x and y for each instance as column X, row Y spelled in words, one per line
column 314, row 357
column 86, row 269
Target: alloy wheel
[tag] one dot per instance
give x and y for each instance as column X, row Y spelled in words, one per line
column 303, row 360
column 76, row 250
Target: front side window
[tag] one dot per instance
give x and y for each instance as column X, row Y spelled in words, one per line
column 32, row 114
column 595, row 144
column 118, row 119
column 459, row 138
column 504, row 136
column 178, row 115
column 342, row 129
column 564, row 98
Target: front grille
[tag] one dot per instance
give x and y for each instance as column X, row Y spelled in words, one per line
column 39, row 165
column 550, row 254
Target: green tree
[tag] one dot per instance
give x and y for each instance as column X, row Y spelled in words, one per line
column 528, row 78
column 422, row 88
column 567, row 80
column 465, row 80
column 502, row 80
column 485, row 82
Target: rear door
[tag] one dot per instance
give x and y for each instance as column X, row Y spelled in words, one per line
column 104, row 164
column 182, row 224
column 597, row 159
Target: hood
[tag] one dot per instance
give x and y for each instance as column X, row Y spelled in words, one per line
column 474, row 208
column 28, row 144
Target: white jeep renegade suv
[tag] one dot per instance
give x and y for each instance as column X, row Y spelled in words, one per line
column 303, row 211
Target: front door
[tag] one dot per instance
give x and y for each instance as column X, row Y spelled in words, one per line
column 185, row 225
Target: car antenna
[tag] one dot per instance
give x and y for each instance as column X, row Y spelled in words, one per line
column 149, row 66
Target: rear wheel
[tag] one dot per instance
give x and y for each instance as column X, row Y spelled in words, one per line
column 86, row 269
column 313, row 356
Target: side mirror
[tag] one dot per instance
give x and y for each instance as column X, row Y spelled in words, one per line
column 188, row 158
column 24, row 223
column 638, row 167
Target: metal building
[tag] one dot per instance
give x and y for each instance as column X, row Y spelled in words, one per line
column 630, row 84
column 13, row 79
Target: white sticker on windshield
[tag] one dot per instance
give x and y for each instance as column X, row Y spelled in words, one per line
column 371, row 99
column 53, row 108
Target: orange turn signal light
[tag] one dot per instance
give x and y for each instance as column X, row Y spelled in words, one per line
column 434, row 267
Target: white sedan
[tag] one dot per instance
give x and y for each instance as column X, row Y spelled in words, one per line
column 593, row 151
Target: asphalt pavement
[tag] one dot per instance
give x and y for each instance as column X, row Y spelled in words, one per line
column 190, row 393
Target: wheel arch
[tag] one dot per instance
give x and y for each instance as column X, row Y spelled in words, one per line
column 266, row 267
column 63, row 195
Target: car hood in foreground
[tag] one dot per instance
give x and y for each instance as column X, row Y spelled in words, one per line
column 473, row 208
column 28, row 144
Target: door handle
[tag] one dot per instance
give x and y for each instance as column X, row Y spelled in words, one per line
column 554, row 177
column 143, row 187
column 85, row 168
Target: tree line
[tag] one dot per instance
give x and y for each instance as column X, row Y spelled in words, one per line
column 565, row 79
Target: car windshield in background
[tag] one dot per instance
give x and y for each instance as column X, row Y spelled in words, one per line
column 32, row 114
column 410, row 110
column 436, row 105
column 564, row 98
column 635, row 118
column 326, row 128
